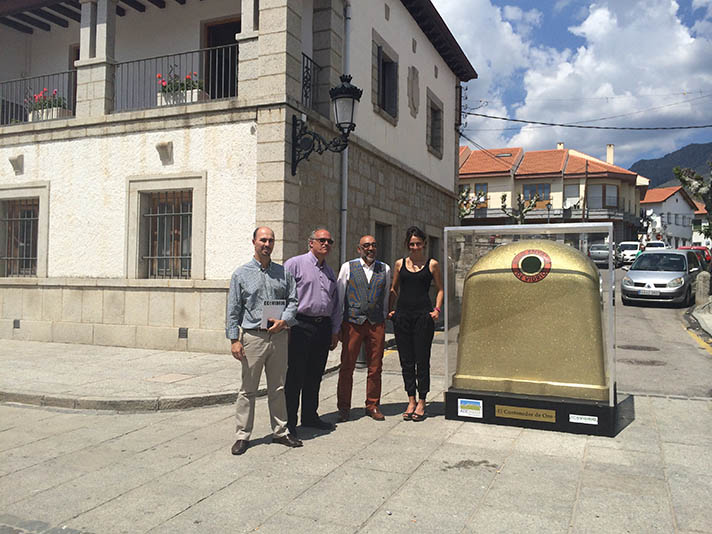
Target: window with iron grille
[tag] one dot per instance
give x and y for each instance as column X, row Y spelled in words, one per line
column 18, row 231
column 167, row 227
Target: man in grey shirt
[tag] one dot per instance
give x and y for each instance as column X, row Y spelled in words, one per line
column 261, row 306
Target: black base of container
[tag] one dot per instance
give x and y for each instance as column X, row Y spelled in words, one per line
column 544, row 413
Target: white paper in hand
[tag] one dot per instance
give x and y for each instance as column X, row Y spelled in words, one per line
column 272, row 309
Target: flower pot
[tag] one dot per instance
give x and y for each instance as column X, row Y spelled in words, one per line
column 47, row 114
column 181, row 97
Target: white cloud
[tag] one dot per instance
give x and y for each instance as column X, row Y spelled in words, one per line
column 524, row 21
column 637, row 55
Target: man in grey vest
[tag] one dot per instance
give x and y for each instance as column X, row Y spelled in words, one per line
column 363, row 288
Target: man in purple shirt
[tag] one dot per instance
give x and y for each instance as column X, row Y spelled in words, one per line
column 314, row 334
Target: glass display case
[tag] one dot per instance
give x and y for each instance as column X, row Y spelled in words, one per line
column 528, row 314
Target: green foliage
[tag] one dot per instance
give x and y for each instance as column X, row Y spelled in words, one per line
column 467, row 202
column 45, row 100
column 174, row 83
column 700, row 188
column 524, row 206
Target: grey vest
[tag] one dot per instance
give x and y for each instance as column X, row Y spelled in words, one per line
column 364, row 300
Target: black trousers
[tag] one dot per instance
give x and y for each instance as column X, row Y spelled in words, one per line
column 309, row 344
column 414, row 337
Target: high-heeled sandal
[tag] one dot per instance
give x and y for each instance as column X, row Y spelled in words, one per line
column 407, row 416
column 417, row 417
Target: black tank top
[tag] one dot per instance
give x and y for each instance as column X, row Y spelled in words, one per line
column 413, row 292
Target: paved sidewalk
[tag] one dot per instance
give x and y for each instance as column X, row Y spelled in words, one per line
column 74, row 471
column 122, row 379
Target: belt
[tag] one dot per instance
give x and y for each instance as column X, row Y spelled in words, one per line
column 312, row 318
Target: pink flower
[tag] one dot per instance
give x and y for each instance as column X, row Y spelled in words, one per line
column 37, row 98
column 187, row 76
column 44, row 90
column 163, row 83
column 195, row 74
column 54, row 92
column 159, row 76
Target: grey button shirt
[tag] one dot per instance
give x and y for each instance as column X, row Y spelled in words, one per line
column 250, row 287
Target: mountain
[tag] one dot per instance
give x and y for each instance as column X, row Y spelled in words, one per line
column 694, row 156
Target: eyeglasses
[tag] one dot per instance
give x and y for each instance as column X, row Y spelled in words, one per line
column 368, row 245
column 323, row 240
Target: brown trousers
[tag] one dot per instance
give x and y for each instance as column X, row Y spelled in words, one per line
column 352, row 336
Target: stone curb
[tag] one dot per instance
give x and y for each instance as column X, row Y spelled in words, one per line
column 138, row 404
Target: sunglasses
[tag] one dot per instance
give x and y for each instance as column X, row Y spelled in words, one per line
column 323, row 240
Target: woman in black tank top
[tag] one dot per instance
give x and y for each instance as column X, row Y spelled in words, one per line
column 414, row 318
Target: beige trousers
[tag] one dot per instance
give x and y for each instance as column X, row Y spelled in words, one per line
column 262, row 350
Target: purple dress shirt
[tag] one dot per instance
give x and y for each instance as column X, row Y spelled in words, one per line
column 316, row 288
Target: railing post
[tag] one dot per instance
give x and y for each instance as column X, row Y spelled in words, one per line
column 95, row 68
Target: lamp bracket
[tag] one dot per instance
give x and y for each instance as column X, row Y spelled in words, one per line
column 305, row 141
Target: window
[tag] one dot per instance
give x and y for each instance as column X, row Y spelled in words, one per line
column 677, row 219
column 383, row 240
column 19, row 228
column 166, row 231
column 543, row 190
column 384, row 79
column 481, row 190
column 697, row 225
column 601, row 196
column 434, row 126
column 24, row 226
column 669, row 218
column 572, row 195
column 434, row 247
column 168, row 224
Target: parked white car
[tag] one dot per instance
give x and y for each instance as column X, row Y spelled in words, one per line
column 628, row 250
column 656, row 244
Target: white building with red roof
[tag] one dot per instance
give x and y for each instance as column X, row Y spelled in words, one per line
column 671, row 211
column 571, row 186
column 700, row 221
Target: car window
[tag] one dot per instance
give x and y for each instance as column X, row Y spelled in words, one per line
column 655, row 245
column 659, row 262
column 599, row 247
column 628, row 246
column 692, row 260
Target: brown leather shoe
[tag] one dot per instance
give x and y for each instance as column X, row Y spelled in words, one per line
column 240, row 446
column 344, row 415
column 374, row 412
column 288, row 440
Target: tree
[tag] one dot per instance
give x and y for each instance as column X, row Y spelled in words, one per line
column 467, row 202
column 524, row 206
column 701, row 189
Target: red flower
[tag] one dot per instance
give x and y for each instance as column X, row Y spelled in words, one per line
column 187, row 76
column 44, row 90
column 159, row 76
column 164, row 83
column 195, row 74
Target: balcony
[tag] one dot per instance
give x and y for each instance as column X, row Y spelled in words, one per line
column 40, row 98
column 176, row 79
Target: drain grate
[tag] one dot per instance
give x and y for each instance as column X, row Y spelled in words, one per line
column 650, row 363
column 638, row 347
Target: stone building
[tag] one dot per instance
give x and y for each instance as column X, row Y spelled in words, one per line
column 571, row 187
column 141, row 141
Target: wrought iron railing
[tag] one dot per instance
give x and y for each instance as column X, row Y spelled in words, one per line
column 18, row 231
column 46, row 97
column 310, row 73
column 175, row 79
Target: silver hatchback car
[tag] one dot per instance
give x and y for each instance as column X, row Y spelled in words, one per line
column 662, row 275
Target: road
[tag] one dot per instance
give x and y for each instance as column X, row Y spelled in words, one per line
column 655, row 353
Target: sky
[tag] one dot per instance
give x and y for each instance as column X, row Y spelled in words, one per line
column 622, row 63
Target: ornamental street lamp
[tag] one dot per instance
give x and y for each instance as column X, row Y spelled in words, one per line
column 548, row 212
column 304, row 141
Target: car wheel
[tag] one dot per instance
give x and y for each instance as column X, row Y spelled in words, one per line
column 690, row 298
column 625, row 301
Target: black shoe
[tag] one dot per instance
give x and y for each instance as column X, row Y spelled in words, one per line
column 292, row 431
column 288, row 440
column 320, row 424
column 240, row 446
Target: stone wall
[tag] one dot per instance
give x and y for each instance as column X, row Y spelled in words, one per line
column 124, row 313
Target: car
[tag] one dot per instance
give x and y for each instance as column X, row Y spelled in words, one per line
column 628, row 250
column 704, row 250
column 599, row 254
column 656, row 244
column 663, row 275
column 704, row 262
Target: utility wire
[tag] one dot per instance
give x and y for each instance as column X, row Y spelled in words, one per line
column 561, row 125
